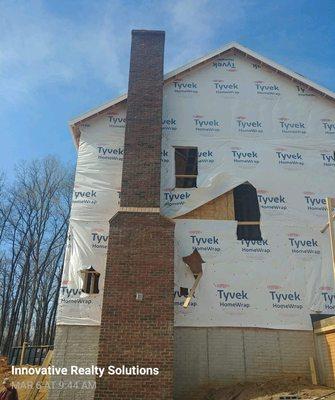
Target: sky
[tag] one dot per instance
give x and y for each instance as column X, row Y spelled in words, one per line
column 61, row 58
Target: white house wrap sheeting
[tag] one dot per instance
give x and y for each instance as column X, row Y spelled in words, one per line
column 273, row 283
column 249, row 124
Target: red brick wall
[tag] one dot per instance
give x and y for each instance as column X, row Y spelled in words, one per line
column 140, row 259
column 141, row 165
column 141, row 246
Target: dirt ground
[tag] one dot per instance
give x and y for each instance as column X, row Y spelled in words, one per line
column 267, row 390
column 22, row 383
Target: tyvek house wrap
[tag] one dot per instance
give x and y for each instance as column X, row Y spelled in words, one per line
column 249, row 124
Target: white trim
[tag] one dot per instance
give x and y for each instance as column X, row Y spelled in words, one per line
column 72, row 134
column 194, row 63
column 286, row 71
column 140, row 209
column 200, row 60
column 97, row 110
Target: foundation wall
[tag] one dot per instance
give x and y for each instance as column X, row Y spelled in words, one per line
column 202, row 355
column 230, row 355
column 74, row 345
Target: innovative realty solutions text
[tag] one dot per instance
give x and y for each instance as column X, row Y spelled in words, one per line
column 92, row 370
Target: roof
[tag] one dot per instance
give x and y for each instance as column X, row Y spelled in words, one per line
column 73, row 124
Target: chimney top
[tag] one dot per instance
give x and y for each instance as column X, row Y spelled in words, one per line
column 147, row 32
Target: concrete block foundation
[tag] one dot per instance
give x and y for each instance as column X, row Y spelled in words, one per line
column 201, row 355
column 231, row 355
column 74, row 345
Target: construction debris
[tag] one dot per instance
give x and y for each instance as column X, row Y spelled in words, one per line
column 194, row 261
column 24, row 383
column 274, row 389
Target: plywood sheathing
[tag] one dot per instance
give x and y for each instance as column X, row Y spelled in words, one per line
column 221, row 207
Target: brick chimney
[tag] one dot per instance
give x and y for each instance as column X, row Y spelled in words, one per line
column 137, row 313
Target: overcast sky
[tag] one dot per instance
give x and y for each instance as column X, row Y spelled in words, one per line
column 61, row 58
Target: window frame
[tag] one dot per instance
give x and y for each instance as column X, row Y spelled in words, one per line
column 191, row 176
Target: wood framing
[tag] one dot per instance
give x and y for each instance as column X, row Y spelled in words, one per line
column 39, row 380
column 324, row 329
column 313, row 371
column 23, row 350
column 327, row 224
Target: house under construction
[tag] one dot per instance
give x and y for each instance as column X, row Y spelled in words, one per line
column 195, row 242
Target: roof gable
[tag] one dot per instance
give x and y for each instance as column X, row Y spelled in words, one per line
column 293, row 76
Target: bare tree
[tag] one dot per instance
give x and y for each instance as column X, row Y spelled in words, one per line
column 34, row 218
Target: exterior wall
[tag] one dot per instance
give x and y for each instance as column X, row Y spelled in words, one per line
column 220, row 208
column 131, row 333
column 324, row 339
column 202, row 355
column 74, row 345
column 230, row 355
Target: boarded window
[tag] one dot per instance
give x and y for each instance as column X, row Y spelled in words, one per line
column 247, row 210
column 186, row 166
